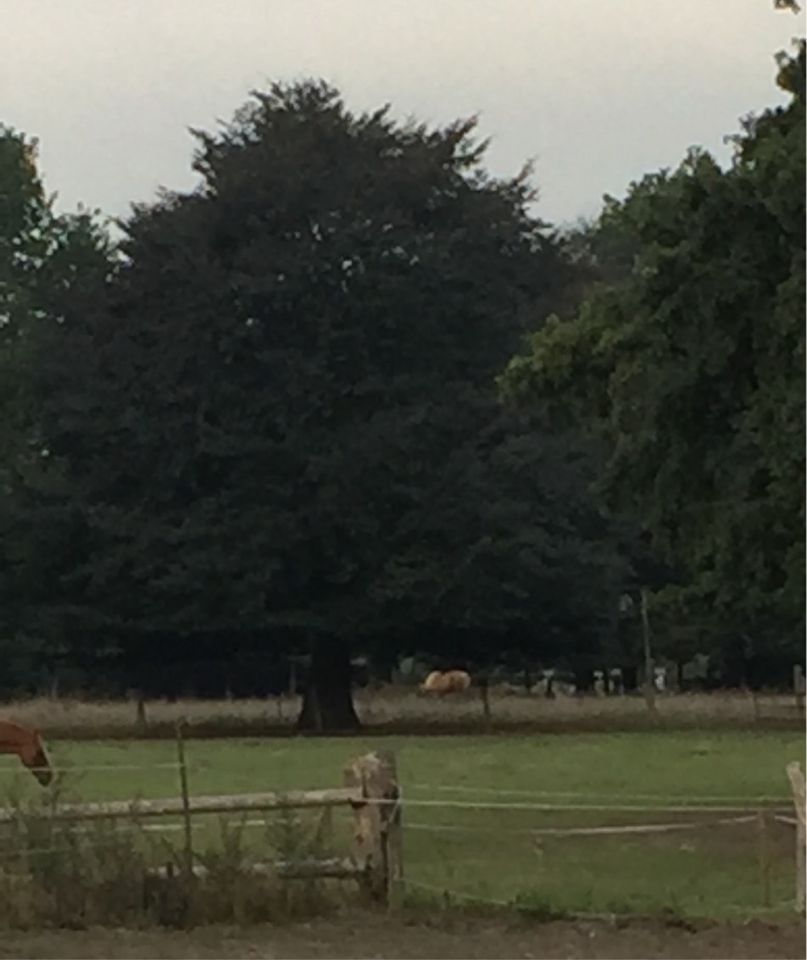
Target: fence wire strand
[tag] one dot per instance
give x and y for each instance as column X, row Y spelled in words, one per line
column 504, row 792
column 111, row 767
column 617, row 807
column 582, row 831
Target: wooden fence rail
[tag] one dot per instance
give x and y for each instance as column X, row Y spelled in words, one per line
column 233, row 803
column 339, row 868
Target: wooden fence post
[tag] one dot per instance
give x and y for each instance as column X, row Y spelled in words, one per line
column 796, row 777
column 186, row 804
column 377, row 847
column 649, row 663
column 764, row 857
column 798, row 690
column 141, row 718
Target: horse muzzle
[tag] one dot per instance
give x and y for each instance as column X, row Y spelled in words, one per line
column 43, row 774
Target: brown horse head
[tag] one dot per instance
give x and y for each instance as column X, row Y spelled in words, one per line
column 34, row 755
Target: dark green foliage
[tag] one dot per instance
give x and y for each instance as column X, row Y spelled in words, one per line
column 688, row 359
column 49, row 265
column 275, row 420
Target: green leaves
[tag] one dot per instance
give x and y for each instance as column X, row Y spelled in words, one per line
column 689, row 359
column 275, row 417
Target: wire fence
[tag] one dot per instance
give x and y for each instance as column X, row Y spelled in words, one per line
column 746, row 838
column 734, row 836
column 695, row 807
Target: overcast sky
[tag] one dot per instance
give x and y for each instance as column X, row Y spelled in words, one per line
column 598, row 92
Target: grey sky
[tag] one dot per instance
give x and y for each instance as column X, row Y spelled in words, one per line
column 596, row 91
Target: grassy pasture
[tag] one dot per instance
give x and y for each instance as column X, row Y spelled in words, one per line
column 488, row 852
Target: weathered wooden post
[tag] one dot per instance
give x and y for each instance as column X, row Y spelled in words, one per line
column 141, row 720
column 798, row 690
column 649, row 688
column 796, row 777
column 764, row 857
column 377, row 846
column 186, row 804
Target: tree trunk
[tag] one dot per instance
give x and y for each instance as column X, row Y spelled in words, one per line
column 583, row 681
column 327, row 701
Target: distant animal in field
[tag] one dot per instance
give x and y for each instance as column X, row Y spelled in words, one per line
column 449, row 681
column 29, row 747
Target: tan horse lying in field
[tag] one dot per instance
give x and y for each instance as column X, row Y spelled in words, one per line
column 29, row 747
column 450, row 681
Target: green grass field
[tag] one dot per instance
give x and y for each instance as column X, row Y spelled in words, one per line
column 488, row 852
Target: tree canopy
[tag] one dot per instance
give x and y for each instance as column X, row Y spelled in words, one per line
column 267, row 422
column 275, row 419
column 687, row 358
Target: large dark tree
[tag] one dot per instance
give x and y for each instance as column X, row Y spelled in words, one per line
column 49, row 264
column 510, row 557
column 281, row 407
column 688, row 361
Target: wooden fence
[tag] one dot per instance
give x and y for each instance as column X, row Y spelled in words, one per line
column 371, row 791
column 796, row 777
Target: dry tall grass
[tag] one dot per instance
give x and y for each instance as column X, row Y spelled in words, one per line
column 391, row 709
column 60, row 874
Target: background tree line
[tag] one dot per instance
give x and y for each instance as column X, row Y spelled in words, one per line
column 351, row 396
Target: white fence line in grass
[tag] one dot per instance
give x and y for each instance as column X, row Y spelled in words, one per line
column 111, row 767
column 240, row 803
column 635, row 828
column 616, row 807
column 22, row 854
column 168, row 827
column 504, row 792
column 790, row 821
column 638, row 828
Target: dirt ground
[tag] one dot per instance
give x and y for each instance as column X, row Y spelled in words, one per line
column 361, row 934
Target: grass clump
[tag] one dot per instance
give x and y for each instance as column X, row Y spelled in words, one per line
column 55, row 873
column 60, row 874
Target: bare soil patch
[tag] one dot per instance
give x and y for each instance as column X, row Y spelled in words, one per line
column 359, row 934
